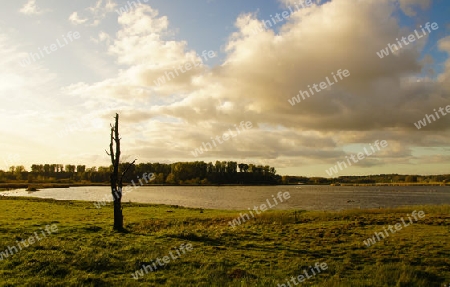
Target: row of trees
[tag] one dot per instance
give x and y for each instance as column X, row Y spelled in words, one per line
column 368, row 179
column 198, row 172
column 52, row 168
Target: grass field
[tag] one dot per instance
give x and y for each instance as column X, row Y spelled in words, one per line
column 264, row 251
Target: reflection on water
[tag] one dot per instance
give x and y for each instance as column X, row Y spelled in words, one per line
column 243, row 197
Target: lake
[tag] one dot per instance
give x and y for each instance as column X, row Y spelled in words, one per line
column 304, row 197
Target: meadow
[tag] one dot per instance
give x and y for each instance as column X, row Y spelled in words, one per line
column 264, row 251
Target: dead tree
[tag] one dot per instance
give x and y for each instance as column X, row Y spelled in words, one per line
column 115, row 179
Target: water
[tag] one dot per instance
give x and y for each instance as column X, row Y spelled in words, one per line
column 244, row 197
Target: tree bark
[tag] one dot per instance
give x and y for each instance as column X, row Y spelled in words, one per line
column 115, row 180
column 115, row 189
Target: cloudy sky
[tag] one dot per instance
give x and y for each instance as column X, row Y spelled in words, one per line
column 66, row 67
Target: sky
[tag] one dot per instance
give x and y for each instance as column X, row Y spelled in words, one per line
column 300, row 92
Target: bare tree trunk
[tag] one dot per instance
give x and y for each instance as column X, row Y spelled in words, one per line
column 115, row 180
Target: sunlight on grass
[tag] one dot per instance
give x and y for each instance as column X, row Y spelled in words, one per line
column 263, row 251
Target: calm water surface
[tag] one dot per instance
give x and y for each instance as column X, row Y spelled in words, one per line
column 243, row 197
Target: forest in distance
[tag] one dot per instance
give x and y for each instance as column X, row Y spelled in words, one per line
column 178, row 173
column 195, row 173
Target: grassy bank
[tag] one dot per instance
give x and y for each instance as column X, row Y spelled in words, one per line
column 264, row 251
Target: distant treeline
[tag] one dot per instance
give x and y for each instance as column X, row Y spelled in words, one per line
column 198, row 172
column 368, row 179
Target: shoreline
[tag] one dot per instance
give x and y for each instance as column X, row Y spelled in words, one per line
column 293, row 210
column 394, row 184
column 281, row 211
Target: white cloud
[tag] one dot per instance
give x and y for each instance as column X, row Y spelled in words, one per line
column 102, row 37
column 140, row 45
column 300, row 3
column 101, row 10
column 30, row 8
column 257, row 77
column 74, row 19
column 95, row 13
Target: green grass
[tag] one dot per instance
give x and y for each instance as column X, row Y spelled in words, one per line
column 264, row 251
